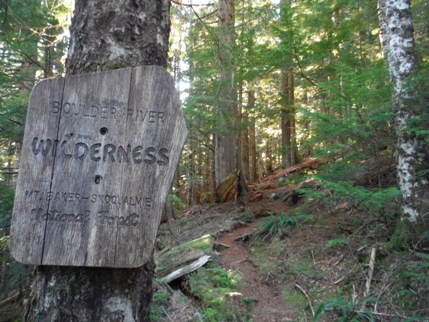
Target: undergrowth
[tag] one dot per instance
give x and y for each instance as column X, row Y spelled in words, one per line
column 216, row 290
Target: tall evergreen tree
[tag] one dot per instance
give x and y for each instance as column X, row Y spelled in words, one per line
column 226, row 105
column 105, row 36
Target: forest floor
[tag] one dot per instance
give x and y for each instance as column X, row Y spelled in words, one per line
column 289, row 257
column 317, row 265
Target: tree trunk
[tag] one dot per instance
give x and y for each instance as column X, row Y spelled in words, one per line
column 226, row 109
column 245, row 155
column 269, row 167
column 253, row 167
column 289, row 150
column 287, row 122
column 412, row 157
column 104, row 36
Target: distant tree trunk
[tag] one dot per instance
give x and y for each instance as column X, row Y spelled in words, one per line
column 412, row 157
column 288, row 142
column 287, row 122
column 226, row 109
column 245, row 155
column 269, row 167
column 105, row 35
column 191, row 171
column 253, row 167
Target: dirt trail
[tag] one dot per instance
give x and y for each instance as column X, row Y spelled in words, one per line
column 269, row 304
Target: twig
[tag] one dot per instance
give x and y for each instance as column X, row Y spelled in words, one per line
column 190, row 5
column 306, row 296
column 370, row 273
column 378, row 313
column 339, row 260
column 165, row 312
column 335, row 283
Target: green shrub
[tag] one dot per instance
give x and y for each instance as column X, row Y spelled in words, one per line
column 160, row 298
column 271, row 226
column 12, row 273
column 346, row 311
column 217, row 291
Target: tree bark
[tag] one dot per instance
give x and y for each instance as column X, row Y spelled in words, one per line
column 245, row 155
column 226, row 109
column 118, row 34
column 104, row 36
column 287, row 122
column 253, row 167
column 395, row 19
column 289, row 150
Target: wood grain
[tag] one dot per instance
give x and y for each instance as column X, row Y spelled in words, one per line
column 118, row 138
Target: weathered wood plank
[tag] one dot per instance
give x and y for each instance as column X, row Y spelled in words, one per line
column 89, row 104
column 118, row 140
column 28, row 225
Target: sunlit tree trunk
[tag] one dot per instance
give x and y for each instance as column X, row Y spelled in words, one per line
column 226, row 109
column 412, row 158
column 288, row 142
column 105, row 35
column 287, row 114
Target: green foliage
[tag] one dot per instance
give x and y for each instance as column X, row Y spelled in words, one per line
column 414, row 235
column 159, row 300
column 346, row 311
column 12, row 273
column 7, row 194
column 295, row 299
column 413, row 275
column 301, row 216
column 374, row 201
column 176, row 202
column 271, row 226
column 32, row 45
column 337, row 241
column 216, row 290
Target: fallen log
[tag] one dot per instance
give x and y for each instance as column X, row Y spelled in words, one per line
column 186, row 255
column 186, row 269
column 309, row 163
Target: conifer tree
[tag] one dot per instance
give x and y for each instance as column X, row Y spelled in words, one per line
column 226, row 105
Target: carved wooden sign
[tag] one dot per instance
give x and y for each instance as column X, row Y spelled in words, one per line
column 98, row 158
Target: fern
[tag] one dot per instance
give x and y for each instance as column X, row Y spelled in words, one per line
column 275, row 225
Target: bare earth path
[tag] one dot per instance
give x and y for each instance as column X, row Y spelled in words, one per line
column 269, row 303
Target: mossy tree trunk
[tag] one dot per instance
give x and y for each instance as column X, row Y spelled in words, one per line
column 105, row 35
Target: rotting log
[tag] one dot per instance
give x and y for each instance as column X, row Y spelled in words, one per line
column 183, row 259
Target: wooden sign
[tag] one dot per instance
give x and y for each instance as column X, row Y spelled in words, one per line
column 98, row 158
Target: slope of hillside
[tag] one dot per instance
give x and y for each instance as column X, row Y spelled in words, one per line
column 291, row 257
